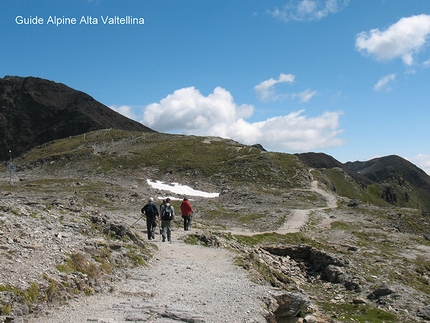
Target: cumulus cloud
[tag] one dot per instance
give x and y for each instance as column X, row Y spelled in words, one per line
column 402, row 40
column 187, row 109
column 306, row 10
column 125, row 110
column 189, row 112
column 423, row 162
column 383, row 82
column 266, row 89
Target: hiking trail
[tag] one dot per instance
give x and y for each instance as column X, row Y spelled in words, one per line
column 182, row 282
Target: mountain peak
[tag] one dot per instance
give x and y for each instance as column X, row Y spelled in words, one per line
column 34, row 111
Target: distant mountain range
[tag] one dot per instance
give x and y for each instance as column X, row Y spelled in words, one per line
column 34, row 111
column 396, row 180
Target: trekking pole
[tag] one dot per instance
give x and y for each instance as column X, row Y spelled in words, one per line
column 137, row 220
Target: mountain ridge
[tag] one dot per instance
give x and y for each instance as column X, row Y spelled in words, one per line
column 34, row 111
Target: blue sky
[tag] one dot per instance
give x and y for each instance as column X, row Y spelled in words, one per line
column 349, row 78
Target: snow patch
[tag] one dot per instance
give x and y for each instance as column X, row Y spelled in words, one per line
column 180, row 189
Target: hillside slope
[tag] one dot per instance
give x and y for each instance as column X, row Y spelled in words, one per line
column 79, row 198
column 382, row 169
column 34, row 111
column 389, row 180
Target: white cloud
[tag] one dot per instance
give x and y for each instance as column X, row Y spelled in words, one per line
column 383, row 82
column 188, row 111
column 403, row 39
column 306, row 10
column 426, row 63
column 125, row 110
column 423, row 162
column 265, row 90
column 306, row 95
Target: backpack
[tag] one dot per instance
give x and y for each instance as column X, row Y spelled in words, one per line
column 149, row 210
column 167, row 213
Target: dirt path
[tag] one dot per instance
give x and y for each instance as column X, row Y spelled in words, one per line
column 300, row 217
column 186, row 283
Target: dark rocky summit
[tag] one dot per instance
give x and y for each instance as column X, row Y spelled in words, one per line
column 383, row 168
column 34, row 111
column 392, row 179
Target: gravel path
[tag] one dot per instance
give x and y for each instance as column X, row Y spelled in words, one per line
column 187, row 283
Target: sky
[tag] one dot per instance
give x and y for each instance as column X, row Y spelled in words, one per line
column 349, row 78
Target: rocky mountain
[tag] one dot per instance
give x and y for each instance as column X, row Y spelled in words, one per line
column 347, row 242
column 321, row 160
column 391, row 179
column 316, row 235
column 383, row 169
column 34, row 111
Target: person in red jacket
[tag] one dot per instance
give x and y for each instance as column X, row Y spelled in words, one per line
column 187, row 211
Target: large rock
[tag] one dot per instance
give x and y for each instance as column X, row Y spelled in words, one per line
column 424, row 312
column 286, row 304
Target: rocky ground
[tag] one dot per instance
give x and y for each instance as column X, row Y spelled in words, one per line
column 182, row 282
column 67, row 257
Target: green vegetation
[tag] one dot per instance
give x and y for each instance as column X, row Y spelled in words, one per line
column 9, row 288
column 88, row 291
column 108, row 150
column 272, row 238
column 192, row 239
column 32, row 293
column 103, row 258
column 134, row 254
column 262, row 270
column 345, row 186
column 377, row 233
column 358, row 313
column 78, row 262
column 6, row 309
column 52, row 291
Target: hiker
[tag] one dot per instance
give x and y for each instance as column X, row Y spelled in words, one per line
column 162, row 206
column 167, row 216
column 151, row 212
column 187, row 211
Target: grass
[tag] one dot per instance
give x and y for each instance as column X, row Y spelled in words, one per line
column 192, row 239
column 358, row 313
column 344, row 186
column 262, row 270
column 272, row 238
column 6, row 309
column 135, row 257
column 226, row 163
column 78, row 262
column 109, row 150
column 32, row 293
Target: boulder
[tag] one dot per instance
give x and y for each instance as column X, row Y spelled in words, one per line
column 285, row 304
